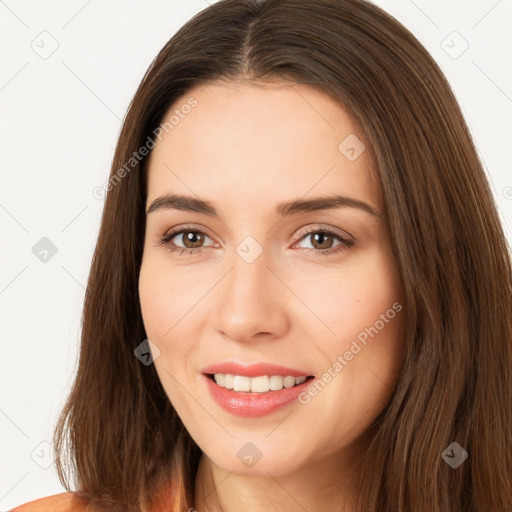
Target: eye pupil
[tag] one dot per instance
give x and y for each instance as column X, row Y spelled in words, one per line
column 324, row 236
column 189, row 237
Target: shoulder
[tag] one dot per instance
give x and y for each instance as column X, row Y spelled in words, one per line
column 63, row 502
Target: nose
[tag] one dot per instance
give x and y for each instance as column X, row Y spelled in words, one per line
column 249, row 301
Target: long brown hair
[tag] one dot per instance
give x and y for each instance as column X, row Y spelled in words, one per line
column 125, row 443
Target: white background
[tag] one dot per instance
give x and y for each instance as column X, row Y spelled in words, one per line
column 59, row 122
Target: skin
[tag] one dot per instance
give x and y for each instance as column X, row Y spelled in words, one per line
column 247, row 148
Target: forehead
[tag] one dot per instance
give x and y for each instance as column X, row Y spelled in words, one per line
column 242, row 140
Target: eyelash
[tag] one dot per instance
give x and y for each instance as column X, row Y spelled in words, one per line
column 346, row 243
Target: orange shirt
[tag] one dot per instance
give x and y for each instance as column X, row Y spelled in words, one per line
column 69, row 502
column 63, row 502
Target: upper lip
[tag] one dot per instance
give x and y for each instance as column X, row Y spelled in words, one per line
column 253, row 370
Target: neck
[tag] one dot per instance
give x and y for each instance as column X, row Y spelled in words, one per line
column 326, row 485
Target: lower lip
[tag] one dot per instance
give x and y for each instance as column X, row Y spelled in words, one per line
column 254, row 405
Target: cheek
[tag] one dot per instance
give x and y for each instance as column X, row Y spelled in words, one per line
column 169, row 298
column 363, row 309
column 152, row 302
column 352, row 297
column 165, row 297
column 163, row 309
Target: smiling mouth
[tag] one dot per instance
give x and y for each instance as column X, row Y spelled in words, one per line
column 260, row 384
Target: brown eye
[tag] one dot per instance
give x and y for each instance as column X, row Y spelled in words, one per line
column 321, row 240
column 192, row 239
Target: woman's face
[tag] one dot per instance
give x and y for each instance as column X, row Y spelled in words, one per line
column 259, row 283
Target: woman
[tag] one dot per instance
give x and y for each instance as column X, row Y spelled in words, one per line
column 300, row 296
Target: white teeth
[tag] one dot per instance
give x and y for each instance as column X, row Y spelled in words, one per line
column 288, row 382
column 228, row 381
column 276, row 382
column 220, row 379
column 241, row 383
column 261, row 384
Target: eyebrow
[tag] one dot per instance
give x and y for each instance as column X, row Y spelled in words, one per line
column 192, row 204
